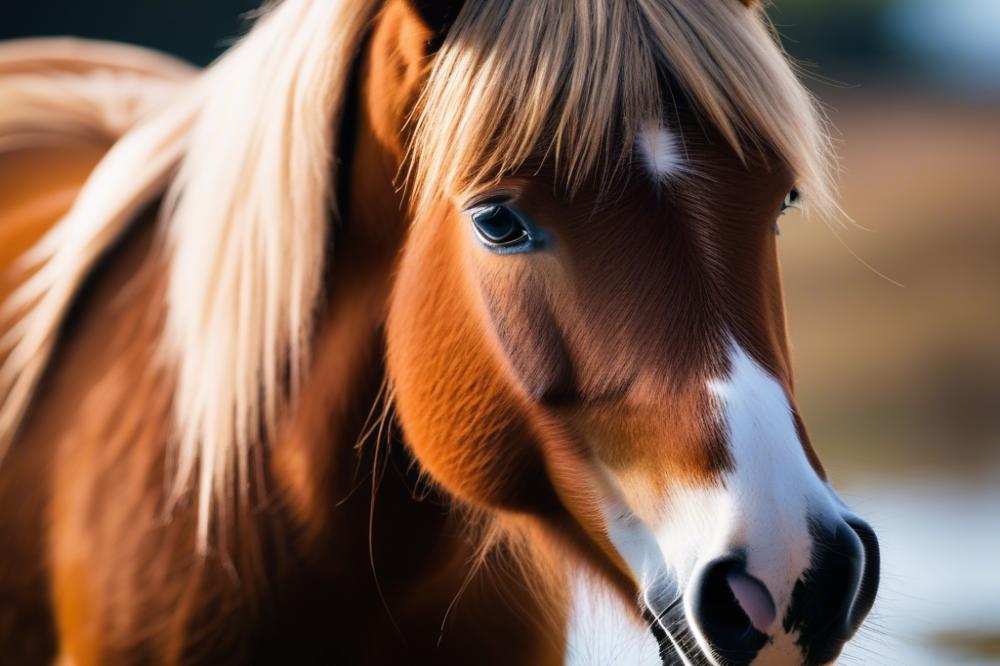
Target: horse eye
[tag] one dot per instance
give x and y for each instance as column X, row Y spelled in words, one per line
column 499, row 228
column 792, row 200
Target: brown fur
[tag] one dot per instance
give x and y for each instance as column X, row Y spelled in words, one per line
column 37, row 186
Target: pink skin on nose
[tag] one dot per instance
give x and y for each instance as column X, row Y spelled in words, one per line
column 754, row 599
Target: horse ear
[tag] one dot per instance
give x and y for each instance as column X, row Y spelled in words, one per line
column 438, row 15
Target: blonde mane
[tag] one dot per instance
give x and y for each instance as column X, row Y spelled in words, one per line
column 56, row 90
column 245, row 156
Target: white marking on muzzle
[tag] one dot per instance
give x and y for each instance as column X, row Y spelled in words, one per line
column 761, row 507
column 772, row 489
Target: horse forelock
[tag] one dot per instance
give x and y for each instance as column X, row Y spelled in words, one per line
column 578, row 84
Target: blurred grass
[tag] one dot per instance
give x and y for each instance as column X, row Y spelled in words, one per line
column 904, row 378
column 970, row 644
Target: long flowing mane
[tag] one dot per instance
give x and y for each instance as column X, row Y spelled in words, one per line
column 245, row 156
column 47, row 99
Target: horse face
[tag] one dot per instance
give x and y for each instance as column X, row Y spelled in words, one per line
column 615, row 364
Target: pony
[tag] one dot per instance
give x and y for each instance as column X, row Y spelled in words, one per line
column 415, row 331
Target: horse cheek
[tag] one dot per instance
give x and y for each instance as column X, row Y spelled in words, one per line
column 463, row 421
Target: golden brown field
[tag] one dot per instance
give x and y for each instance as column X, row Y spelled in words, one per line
column 895, row 378
column 900, row 385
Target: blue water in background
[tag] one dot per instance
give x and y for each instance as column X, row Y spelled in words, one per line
column 941, row 569
column 958, row 40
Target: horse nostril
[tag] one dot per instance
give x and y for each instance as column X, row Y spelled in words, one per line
column 733, row 610
column 832, row 598
column 753, row 598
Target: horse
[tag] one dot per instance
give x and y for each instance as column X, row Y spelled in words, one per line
column 415, row 331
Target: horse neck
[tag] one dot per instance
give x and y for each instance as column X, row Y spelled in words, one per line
column 329, row 456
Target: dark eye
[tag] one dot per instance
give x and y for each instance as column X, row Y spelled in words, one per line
column 792, row 200
column 502, row 230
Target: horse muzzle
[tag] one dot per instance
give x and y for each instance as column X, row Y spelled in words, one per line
column 736, row 620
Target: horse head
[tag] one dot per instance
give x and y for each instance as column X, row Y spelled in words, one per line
column 601, row 346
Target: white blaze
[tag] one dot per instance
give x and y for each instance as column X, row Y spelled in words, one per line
column 772, row 489
column 761, row 507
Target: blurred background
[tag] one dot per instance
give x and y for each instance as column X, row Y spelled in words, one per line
column 894, row 317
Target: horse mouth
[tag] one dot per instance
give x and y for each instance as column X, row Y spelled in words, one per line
column 677, row 643
column 670, row 630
